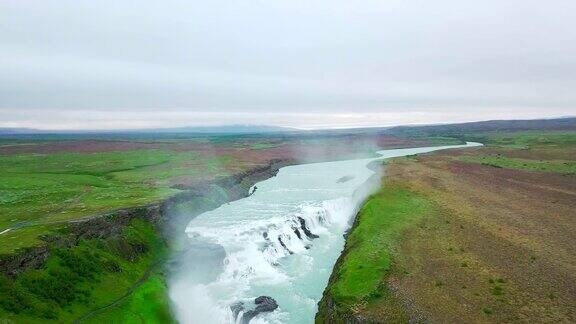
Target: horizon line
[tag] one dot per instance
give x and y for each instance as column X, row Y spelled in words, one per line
column 281, row 128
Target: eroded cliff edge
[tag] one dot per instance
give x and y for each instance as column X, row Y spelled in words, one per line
column 114, row 230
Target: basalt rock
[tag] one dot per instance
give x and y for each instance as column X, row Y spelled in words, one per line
column 264, row 304
column 14, row 264
column 306, row 230
column 284, row 245
column 297, row 232
column 236, row 308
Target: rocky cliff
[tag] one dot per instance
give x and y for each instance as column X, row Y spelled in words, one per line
column 163, row 214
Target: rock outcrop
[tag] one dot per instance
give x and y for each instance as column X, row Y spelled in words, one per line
column 305, row 229
column 264, row 304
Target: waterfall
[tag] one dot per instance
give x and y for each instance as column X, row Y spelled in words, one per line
column 282, row 241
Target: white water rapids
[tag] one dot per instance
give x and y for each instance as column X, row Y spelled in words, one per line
column 281, row 242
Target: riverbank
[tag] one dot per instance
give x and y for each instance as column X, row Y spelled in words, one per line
column 356, row 281
column 475, row 235
column 114, row 263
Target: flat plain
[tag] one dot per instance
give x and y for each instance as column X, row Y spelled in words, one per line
column 472, row 235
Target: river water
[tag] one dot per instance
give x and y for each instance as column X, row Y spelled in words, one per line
column 281, row 242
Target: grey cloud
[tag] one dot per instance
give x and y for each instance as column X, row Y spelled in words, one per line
column 449, row 59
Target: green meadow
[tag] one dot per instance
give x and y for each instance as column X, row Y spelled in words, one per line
column 117, row 279
column 43, row 190
column 499, row 161
column 91, row 276
column 528, row 139
column 148, row 303
column 525, row 151
column 361, row 275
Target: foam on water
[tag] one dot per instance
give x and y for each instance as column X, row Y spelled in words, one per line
column 281, row 242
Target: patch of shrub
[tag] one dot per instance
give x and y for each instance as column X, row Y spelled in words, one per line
column 12, row 298
column 85, row 264
column 111, row 265
column 377, row 293
column 58, row 285
column 497, row 290
column 16, row 299
column 71, row 274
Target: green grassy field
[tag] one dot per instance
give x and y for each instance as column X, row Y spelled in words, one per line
column 45, row 189
column 382, row 219
column 499, row 161
column 111, row 279
column 526, row 139
column 149, row 303
column 361, row 275
column 535, row 151
column 74, row 281
column 40, row 193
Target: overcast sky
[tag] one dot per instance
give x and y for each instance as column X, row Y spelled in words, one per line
column 73, row 64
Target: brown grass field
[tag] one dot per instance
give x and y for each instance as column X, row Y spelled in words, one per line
column 500, row 250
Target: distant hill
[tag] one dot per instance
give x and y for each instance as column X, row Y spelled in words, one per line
column 225, row 129
column 566, row 123
column 12, row 131
column 559, row 124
